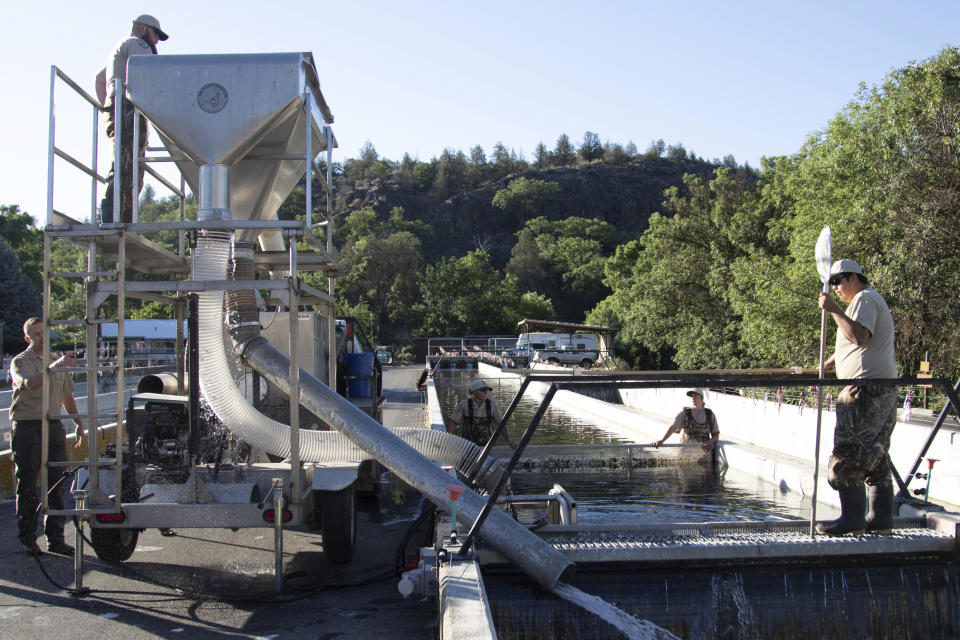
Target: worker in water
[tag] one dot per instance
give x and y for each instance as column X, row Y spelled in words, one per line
column 697, row 423
column 866, row 412
column 479, row 416
column 144, row 35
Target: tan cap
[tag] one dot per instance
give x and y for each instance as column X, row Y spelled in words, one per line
column 153, row 23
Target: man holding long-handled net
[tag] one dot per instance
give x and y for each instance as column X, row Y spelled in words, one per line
column 866, row 412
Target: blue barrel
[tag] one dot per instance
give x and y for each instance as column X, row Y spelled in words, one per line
column 359, row 370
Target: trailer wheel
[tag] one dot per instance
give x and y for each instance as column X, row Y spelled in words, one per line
column 114, row 545
column 586, row 363
column 338, row 518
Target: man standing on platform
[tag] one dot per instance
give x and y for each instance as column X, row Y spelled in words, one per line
column 144, row 35
column 866, row 412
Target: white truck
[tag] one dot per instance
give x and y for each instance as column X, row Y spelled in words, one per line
column 579, row 349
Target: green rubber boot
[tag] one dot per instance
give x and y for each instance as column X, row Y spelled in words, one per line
column 853, row 503
column 880, row 517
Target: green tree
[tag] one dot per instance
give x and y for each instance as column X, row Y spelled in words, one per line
column 525, row 263
column 526, row 198
column 20, row 300
column 672, row 289
column 563, row 154
column 382, row 273
column 26, row 240
column 153, row 311
column 462, row 296
column 541, row 156
column 591, row 148
column 882, row 174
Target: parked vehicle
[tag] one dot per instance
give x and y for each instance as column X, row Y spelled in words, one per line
column 578, row 349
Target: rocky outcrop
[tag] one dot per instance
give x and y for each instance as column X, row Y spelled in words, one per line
column 624, row 196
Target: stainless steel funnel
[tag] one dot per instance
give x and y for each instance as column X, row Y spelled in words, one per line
column 245, row 111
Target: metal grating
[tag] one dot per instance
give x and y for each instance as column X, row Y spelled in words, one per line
column 729, row 541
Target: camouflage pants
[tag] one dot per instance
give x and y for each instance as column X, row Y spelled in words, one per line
column 866, row 415
column 126, row 164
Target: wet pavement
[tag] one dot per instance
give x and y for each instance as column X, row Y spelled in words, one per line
column 218, row 583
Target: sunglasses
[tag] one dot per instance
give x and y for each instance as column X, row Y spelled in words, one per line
column 834, row 281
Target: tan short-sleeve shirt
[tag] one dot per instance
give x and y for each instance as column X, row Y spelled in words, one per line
column 27, row 404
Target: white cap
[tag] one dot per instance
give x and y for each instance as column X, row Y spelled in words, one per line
column 479, row 385
column 845, row 266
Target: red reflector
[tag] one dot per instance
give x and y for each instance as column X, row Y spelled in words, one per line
column 286, row 514
column 111, row 518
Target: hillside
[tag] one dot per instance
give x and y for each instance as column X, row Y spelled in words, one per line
column 623, row 195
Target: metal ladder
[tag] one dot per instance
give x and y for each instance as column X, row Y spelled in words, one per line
column 93, row 367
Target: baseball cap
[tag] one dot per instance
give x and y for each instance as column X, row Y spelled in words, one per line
column 845, row 266
column 479, row 385
column 154, row 24
column 696, row 390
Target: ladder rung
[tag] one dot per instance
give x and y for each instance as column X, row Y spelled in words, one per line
column 86, row 321
column 110, row 462
column 98, row 416
column 83, row 274
column 85, row 369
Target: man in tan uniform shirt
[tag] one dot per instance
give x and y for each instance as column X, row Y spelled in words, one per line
column 26, row 413
column 143, row 38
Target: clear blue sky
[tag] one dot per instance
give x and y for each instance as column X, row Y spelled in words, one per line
column 749, row 78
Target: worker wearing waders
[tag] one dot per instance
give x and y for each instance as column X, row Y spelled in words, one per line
column 697, row 423
column 866, row 412
column 476, row 417
column 144, row 35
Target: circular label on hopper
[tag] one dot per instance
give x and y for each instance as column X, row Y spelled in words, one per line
column 212, row 97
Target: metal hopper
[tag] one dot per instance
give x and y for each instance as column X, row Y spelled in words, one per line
column 245, row 111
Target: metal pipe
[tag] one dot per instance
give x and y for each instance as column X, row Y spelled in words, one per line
column 532, row 555
column 278, row 534
column 80, row 501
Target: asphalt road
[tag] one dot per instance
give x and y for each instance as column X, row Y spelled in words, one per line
column 218, row 583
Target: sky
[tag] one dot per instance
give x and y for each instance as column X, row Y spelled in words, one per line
column 745, row 78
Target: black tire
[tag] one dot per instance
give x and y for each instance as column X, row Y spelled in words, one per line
column 586, row 363
column 338, row 524
column 114, row 545
column 552, row 361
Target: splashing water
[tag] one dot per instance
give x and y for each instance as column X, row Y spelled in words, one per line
column 633, row 628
